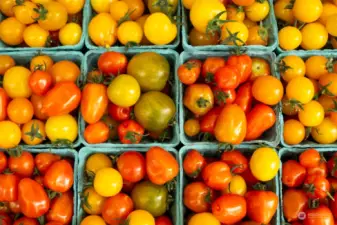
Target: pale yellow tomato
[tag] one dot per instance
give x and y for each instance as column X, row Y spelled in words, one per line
column 307, row 11
column 290, row 38
column 70, row 34
column 314, row 36
column 326, row 132
column 103, row 30
column 15, row 82
column 129, row 32
column 11, row 31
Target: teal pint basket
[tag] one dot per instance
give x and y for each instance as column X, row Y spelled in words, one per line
column 88, row 151
column 211, row 152
column 304, row 55
column 270, row 22
column 64, row 153
column 23, row 58
column 90, row 61
column 271, row 137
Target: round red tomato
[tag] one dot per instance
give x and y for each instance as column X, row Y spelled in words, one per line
column 321, row 215
column 229, row 208
column 130, row 132
column 163, row 220
column 96, row 133
column 217, row 175
column 112, row 63
column 210, row 66
column 40, row 82
column 243, row 64
column 235, row 160
column 59, row 177
column 293, row 173
column 44, row 160
column 198, row 197
column 9, row 187
column 117, row 208
column 61, row 208
column 193, row 163
column 119, row 113
column 310, row 158
column 227, row 77
column 22, row 165
column 131, row 166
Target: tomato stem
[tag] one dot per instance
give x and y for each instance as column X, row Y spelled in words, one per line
column 42, row 11
column 202, row 102
column 215, row 24
column 233, row 39
column 126, row 17
column 260, row 186
column 283, row 67
column 164, row 6
column 34, row 132
column 85, row 201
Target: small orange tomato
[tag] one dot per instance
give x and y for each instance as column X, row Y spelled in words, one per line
column 268, row 90
column 191, row 127
column 258, row 35
column 33, row 132
column 96, row 133
column 188, row 73
column 20, row 110
column 199, row 99
column 260, row 67
column 65, row 71
column 41, row 62
column 40, row 82
column 329, row 84
column 6, row 62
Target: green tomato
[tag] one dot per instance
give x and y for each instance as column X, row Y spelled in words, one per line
column 165, row 6
column 150, row 197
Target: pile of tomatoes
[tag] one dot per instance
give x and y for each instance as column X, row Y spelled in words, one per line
column 35, row 189
column 309, row 104
column 128, row 22
column 230, row 99
column 41, row 23
column 228, row 189
column 309, row 189
column 229, row 22
column 131, row 103
column 136, row 190
column 306, row 23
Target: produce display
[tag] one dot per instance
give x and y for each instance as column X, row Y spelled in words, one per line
column 234, row 187
column 229, row 100
column 36, row 188
column 135, row 92
column 306, row 24
column 309, row 182
column 38, row 99
column 41, row 23
column 130, row 187
column 309, row 103
column 133, row 22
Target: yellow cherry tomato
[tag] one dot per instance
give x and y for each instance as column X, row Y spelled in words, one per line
column 203, row 11
column 203, row 218
column 96, row 162
column 141, row 21
column 15, row 82
column 24, row 11
column 159, row 29
column 73, row 6
column 327, row 102
column 258, row 35
column 235, row 13
column 257, row 11
column 118, row 9
column 137, row 8
column 314, row 36
column 331, row 25
column 6, row 7
column 70, row 34
column 101, row 6
column 316, row 66
column 108, row 182
column 59, row 128
column 33, row 132
column 234, row 33
column 329, row 9
column 293, row 132
column 282, row 12
column 288, row 108
column 264, row 164
column 140, row 217
column 35, row 36
column 52, row 16
column 6, row 62
column 10, row 134
column 103, row 30
column 93, row 220
column 237, row 186
column 249, row 23
column 41, row 62
column 292, row 66
column 191, row 127
column 93, row 203
column 290, row 38
column 326, row 132
column 300, row 89
column 312, row 114
column 307, row 11
column 328, row 82
column 11, row 31
column 129, row 32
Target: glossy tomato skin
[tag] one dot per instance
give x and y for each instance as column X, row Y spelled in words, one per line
column 33, row 199
column 229, row 208
column 227, row 77
column 244, row 97
column 63, row 98
column 235, row 158
column 9, row 187
column 130, row 132
column 217, row 175
column 333, row 206
column 3, row 104
column 293, row 173
column 163, row 220
column 112, row 63
column 119, row 113
column 14, row 207
column 44, row 160
column 321, row 215
column 40, row 82
column 59, row 177
column 320, row 170
column 207, row 122
column 23, row 165
column 223, row 96
column 198, row 197
column 117, row 208
column 193, row 163
column 189, row 72
column 199, row 99
column 61, row 208
column 294, row 202
column 3, row 162
column 26, row 221
column 161, row 166
column 243, row 63
column 96, row 133
column 210, row 66
column 310, row 158
column 320, row 184
column 36, row 101
column 259, row 120
column 94, row 102
column 131, row 166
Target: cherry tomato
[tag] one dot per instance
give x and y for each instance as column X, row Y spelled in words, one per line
column 243, row 63
column 243, row 2
column 223, row 96
column 260, row 67
column 321, row 215
column 332, row 166
column 112, row 63
column 3, row 162
column 198, row 197
column 3, row 104
column 163, row 220
column 189, row 72
column 9, row 187
column 227, row 77
column 210, row 66
column 20, row 110
column 244, row 97
column 40, row 82
column 36, row 101
column 310, row 158
column 199, row 99
column 293, row 173
column 59, row 176
column 22, row 164
column 217, row 175
column 268, row 90
column 65, row 70
column 117, row 208
column 131, row 166
column 119, row 113
column 61, row 208
column 96, row 133
column 192, row 127
column 329, row 84
column 320, row 170
column 318, row 186
column 333, row 206
column 193, row 163
column 130, row 132
column 207, row 122
column 44, row 160
column 26, row 221
column 235, row 160
column 294, row 203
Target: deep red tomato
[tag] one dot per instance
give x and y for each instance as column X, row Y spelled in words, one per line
column 207, row 122
column 94, row 102
column 217, row 175
column 163, row 220
column 333, row 184
column 9, row 187
column 3, row 104
column 26, row 221
column 321, row 215
column 317, row 186
column 227, row 77
column 235, row 160
column 333, row 206
column 117, row 208
column 223, row 96
column 161, row 166
column 127, row 186
column 131, row 166
column 229, row 208
column 189, row 72
column 293, row 173
column 244, row 97
column 320, row 170
column 193, row 163
column 243, row 63
column 261, row 205
column 112, row 63
column 96, row 133
column 33, row 199
column 14, row 207
column 130, row 132
column 3, row 162
column 310, row 158
column 249, row 177
column 59, row 177
column 22, row 165
column 119, row 113
column 259, row 120
column 332, row 166
column 5, row 219
column 44, row 160
column 63, row 98
column 36, row 101
column 294, row 202
column 61, row 208
column 210, row 66
column 198, row 197
column 40, row 82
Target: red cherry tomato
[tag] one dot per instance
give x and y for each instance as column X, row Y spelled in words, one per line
column 9, row 187
column 310, row 158
column 217, row 175
column 227, row 77
column 59, row 177
column 40, row 82
column 61, row 208
column 317, row 186
column 119, row 113
column 243, row 63
column 207, row 122
column 131, row 166
column 244, row 97
column 22, row 165
column 117, row 208
column 5, row 219
column 235, row 160
column 44, row 160
column 3, row 162
column 193, row 163
column 112, row 63
column 293, row 174
column 223, row 96
column 332, row 166
column 130, row 132
column 210, row 66
column 3, row 104
column 26, row 221
column 163, row 220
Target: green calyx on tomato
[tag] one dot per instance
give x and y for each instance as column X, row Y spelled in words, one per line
column 202, row 103
column 214, row 25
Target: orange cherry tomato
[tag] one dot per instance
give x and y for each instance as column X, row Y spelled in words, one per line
column 217, row 175
column 310, row 158
column 44, row 160
column 22, row 164
column 199, row 99
column 193, row 163
column 40, row 82
column 96, row 133
column 3, row 104
column 20, row 110
column 65, row 71
column 189, row 72
column 268, row 90
column 198, row 197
